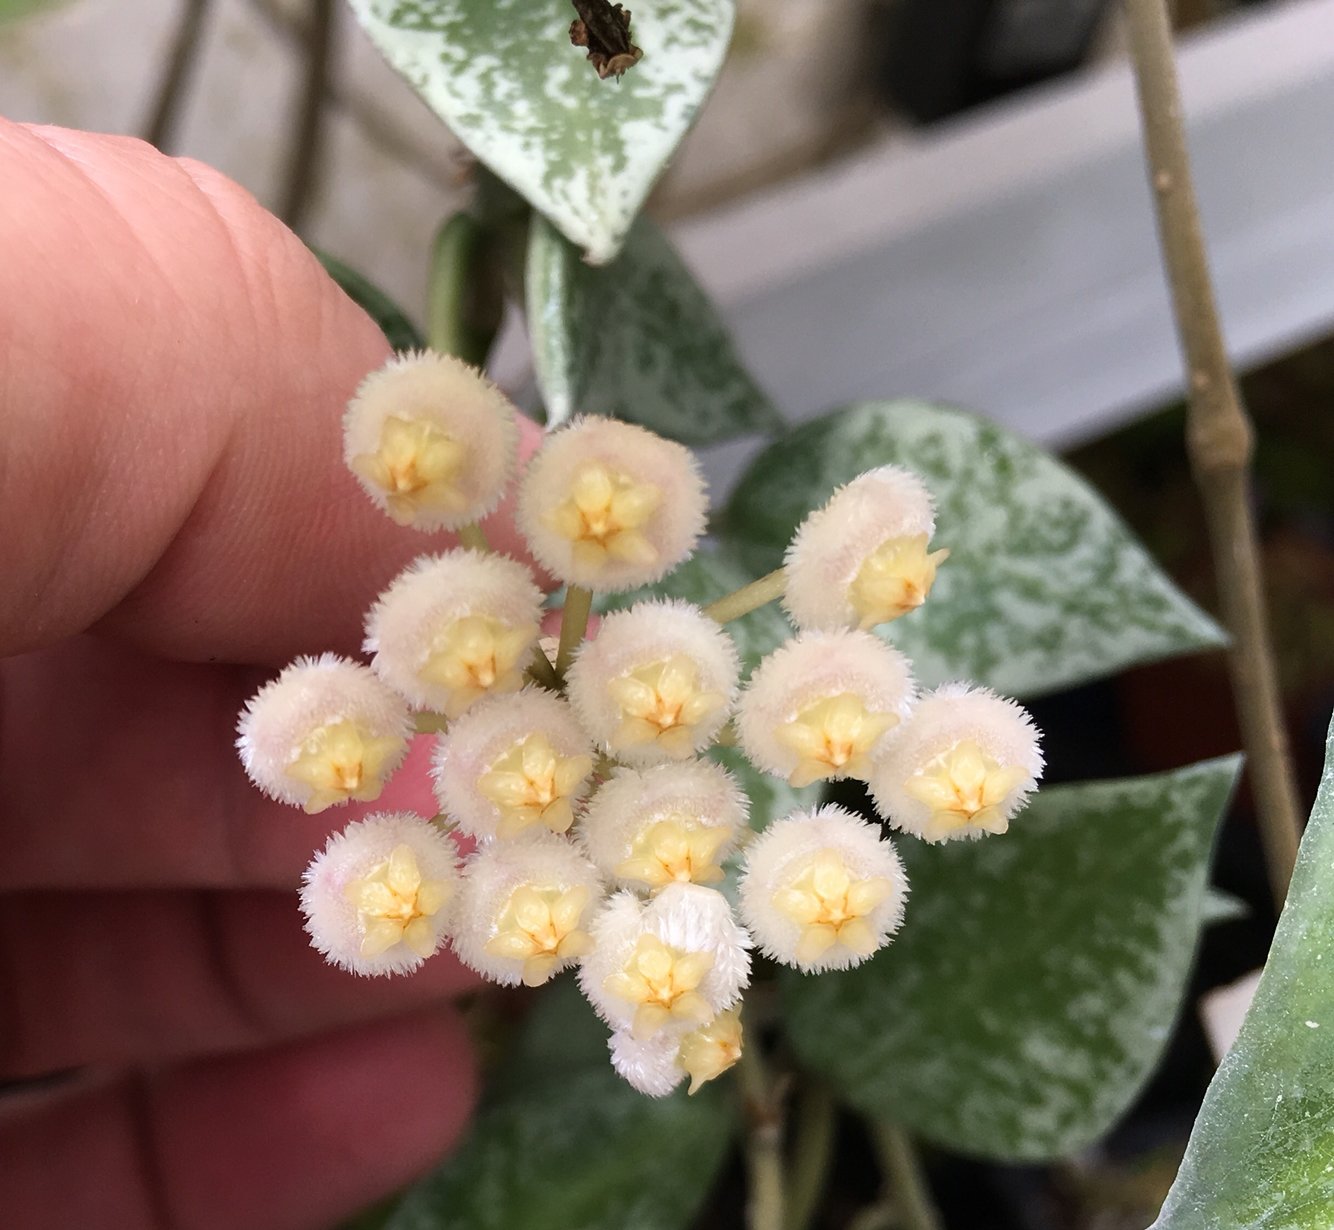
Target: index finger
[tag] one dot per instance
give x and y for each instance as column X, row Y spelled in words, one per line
column 176, row 367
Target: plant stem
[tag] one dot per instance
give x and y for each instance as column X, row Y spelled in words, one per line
column 768, row 588
column 542, row 671
column 464, row 298
column 812, row 1147
column 307, row 140
column 474, row 537
column 1219, row 439
column 161, row 126
column 573, row 625
column 763, row 1107
column 907, row 1181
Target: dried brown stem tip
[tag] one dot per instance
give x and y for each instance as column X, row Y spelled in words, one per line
column 604, row 28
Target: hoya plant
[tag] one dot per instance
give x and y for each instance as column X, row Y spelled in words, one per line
column 741, row 784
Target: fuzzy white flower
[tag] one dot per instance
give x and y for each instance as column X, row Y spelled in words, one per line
column 962, row 766
column 821, row 889
column 664, row 824
column 862, row 559
column 656, row 683
column 647, row 1064
column 522, row 913
column 820, row 706
column 377, row 899
column 431, row 440
column 608, row 506
column 453, row 627
column 513, row 764
column 325, row 731
column 671, row 965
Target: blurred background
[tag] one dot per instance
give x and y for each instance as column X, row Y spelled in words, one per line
column 931, row 198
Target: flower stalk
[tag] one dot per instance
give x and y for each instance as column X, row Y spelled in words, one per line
column 741, row 602
column 573, row 625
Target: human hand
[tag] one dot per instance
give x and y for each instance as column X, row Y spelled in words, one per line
column 175, row 521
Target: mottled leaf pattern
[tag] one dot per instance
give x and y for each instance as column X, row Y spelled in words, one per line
column 564, row 1142
column 503, row 75
column 636, row 340
column 1262, row 1152
column 1044, row 587
column 1035, row 981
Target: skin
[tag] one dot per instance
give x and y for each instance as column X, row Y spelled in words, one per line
column 176, row 523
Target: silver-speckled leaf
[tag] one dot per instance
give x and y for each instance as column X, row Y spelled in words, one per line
column 1045, row 586
column 636, row 340
column 1262, row 1152
column 503, row 75
column 1034, row 984
column 561, row 1141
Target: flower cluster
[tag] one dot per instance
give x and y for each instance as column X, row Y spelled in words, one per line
column 599, row 833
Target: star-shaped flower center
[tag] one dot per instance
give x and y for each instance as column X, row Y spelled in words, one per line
column 662, row 703
column 833, row 738
column 965, row 788
column 475, row 655
column 342, row 761
column 672, row 851
column 831, row 907
column 416, row 466
column 394, row 904
column 662, row 982
column 894, row 579
column 539, row 926
column 532, row 784
column 708, row 1052
column 604, row 516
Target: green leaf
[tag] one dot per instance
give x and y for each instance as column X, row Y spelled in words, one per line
column 503, row 75
column 399, row 331
column 636, row 340
column 1262, row 1151
column 770, row 797
column 12, row 10
column 1044, row 586
column 1035, row 981
column 565, row 1143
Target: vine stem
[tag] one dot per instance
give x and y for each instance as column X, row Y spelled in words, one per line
column 1219, row 439
column 769, row 588
column 907, row 1181
column 573, row 625
column 763, row 1105
column 812, row 1148
column 161, row 126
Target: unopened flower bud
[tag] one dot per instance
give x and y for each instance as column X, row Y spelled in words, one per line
column 609, row 506
column 963, row 765
column 669, row 966
column 822, row 889
column 453, row 627
column 863, row 558
column 820, row 706
column 656, row 683
column 523, row 910
column 513, row 765
column 324, row 732
column 666, row 824
column 377, row 899
column 431, row 440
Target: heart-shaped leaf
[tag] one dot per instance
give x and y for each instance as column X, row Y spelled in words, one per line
column 563, row 1141
column 1262, row 1152
column 1035, row 981
column 636, row 340
column 1044, row 587
column 504, row 76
